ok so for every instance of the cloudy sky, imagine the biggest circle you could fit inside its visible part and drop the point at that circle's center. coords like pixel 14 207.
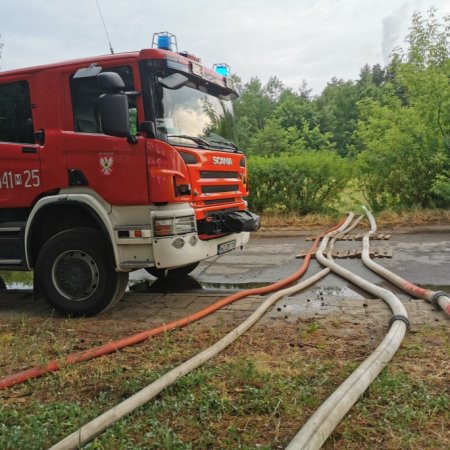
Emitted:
pixel 295 40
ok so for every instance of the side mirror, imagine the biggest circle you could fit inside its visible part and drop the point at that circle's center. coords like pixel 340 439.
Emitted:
pixel 174 81
pixel 114 114
pixel 149 129
pixel 110 82
pixel 113 105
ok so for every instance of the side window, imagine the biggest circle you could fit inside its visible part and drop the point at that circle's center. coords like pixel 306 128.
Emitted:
pixel 85 94
pixel 16 123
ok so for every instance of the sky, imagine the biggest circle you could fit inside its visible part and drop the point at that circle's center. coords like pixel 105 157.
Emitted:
pixel 295 40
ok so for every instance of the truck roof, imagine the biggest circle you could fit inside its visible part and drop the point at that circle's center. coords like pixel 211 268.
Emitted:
pixel 81 61
pixel 150 53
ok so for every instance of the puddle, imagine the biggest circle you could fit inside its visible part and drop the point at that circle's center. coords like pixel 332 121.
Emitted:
pixel 232 286
pixel 24 281
pixel 161 286
pixel 187 284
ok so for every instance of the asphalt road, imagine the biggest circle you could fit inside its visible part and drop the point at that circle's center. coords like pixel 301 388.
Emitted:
pixel 421 258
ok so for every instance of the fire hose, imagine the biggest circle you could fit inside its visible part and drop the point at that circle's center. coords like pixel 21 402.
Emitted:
pixel 321 424
pixel 111 347
pixel 88 431
pixel 439 299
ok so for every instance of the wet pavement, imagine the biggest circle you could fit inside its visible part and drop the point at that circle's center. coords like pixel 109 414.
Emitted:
pixel 421 258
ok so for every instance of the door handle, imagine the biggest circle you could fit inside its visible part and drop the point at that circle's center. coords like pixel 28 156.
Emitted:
pixel 29 150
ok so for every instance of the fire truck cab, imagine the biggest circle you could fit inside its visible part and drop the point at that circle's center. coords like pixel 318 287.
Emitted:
pixel 116 163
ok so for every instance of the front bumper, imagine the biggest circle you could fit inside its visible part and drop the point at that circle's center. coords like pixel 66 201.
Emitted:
pixel 141 246
pixel 167 252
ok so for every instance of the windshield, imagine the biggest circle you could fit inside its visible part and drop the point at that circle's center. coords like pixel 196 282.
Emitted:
pixel 193 117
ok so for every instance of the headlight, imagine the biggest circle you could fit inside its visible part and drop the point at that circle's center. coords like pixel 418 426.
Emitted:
pixel 173 226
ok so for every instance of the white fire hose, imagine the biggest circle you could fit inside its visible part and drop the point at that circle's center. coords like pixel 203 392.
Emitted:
pixel 321 424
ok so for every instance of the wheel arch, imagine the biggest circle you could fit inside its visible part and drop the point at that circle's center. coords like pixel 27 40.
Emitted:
pixel 53 215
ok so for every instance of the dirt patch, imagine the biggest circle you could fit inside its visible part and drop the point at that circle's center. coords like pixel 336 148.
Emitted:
pixel 408 219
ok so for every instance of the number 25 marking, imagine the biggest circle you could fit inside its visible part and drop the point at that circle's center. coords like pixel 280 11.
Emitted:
pixel 32 178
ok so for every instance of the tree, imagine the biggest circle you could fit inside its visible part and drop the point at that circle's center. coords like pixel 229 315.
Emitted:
pixel 338 112
pixel 378 75
pixel 425 68
pixel 428 41
pixel 274 89
pixel 401 157
pixel 424 74
pixel 271 140
pixel 254 103
pixel 405 133
pixel 370 80
pixel 253 108
pixel 298 113
pixel 365 75
pixel 294 110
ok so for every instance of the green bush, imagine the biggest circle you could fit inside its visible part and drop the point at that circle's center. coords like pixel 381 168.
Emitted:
pixel 403 160
pixel 441 189
pixel 302 183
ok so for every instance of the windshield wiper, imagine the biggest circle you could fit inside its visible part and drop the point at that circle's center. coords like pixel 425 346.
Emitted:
pixel 199 141
pixel 226 144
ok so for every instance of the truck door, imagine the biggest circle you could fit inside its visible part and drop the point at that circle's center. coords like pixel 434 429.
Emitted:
pixel 111 166
pixel 20 170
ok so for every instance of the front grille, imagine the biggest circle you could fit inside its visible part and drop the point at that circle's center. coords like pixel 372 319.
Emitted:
pixel 219 201
pixel 217 174
pixel 218 189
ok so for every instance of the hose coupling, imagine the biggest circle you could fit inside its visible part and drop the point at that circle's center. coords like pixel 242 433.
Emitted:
pixel 435 298
pixel 402 318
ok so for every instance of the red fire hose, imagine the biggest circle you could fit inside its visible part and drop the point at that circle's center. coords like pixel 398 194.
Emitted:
pixel 110 347
pixel 439 299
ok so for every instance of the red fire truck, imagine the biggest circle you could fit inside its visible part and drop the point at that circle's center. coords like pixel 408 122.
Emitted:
pixel 117 163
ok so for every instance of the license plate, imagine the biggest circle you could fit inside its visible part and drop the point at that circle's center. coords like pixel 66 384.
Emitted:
pixel 226 247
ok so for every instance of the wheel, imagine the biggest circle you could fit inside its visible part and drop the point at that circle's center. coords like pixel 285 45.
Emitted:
pixel 75 273
pixel 172 274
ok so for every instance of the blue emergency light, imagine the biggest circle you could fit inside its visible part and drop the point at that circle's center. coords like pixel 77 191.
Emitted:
pixel 164 41
pixel 222 69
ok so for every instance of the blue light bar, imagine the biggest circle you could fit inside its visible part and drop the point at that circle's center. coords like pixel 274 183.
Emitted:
pixel 222 69
pixel 164 42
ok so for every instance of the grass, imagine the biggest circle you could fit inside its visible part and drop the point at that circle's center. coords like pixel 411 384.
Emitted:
pixel 256 394
pixel 404 404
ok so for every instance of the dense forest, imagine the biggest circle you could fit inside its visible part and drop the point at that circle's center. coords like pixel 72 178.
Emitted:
pixel 385 136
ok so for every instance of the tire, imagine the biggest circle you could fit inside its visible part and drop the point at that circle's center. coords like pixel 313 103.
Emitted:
pixel 172 274
pixel 75 273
